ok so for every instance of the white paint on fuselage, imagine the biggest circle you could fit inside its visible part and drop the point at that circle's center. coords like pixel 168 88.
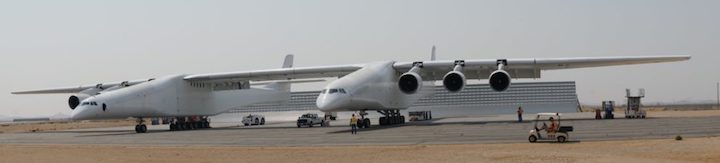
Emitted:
pixel 374 87
pixel 172 96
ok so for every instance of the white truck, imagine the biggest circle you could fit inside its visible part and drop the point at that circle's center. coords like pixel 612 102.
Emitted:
pixel 253 119
pixel 310 119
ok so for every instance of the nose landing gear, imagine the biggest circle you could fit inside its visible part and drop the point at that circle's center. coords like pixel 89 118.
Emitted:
pixel 140 127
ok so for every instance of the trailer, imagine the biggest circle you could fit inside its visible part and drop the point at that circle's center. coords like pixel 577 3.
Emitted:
pixel 420 115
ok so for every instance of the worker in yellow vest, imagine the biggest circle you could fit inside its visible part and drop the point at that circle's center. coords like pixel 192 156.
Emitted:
pixel 353 124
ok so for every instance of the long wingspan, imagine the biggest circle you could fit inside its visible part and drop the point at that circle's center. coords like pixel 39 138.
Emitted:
pixel 65 90
pixel 531 67
pixel 475 69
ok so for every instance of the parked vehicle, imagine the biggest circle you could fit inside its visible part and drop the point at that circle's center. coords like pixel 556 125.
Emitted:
pixel 253 119
pixel 420 115
pixel 310 119
pixel 558 133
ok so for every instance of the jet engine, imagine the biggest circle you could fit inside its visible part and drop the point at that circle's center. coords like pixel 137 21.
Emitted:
pixel 410 82
pixel 75 100
pixel 500 80
pixel 454 81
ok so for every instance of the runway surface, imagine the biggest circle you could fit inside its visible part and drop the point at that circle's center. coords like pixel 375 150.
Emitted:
pixel 465 130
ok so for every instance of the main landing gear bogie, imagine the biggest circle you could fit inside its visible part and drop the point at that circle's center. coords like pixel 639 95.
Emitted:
pixel 391 117
pixel 189 123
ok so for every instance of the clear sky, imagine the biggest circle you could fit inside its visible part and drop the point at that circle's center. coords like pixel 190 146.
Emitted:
pixel 67 43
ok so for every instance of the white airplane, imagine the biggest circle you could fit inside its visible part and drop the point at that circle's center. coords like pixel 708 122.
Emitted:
pixel 386 87
pixel 171 96
pixel 390 86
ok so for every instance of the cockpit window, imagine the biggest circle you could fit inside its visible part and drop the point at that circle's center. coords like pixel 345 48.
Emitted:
pixel 332 91
pixel 93 103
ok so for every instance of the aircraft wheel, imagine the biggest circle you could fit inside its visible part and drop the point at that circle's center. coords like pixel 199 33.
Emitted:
pixel 262 121
pixel 140 129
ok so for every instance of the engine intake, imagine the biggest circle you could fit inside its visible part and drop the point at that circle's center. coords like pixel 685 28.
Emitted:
pixel 75 100
pixel 410 82
pixel 454 81
pixel 500 80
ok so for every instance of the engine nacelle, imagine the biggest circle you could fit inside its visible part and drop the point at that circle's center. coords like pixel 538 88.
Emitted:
pixel 454 81
pixel 500 80
pixel 75 100
pixel 410 82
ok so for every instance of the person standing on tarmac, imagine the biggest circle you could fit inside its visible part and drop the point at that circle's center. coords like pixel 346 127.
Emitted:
pixel 353 124
pixel 520 112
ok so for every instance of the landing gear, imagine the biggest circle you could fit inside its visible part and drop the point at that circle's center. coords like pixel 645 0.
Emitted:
pixel 363 122
pixel 391 117
pixel 140 127
pixel 189 123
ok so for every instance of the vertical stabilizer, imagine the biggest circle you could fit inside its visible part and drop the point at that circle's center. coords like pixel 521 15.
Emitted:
pixel 283 86
pixel 432 54
pixel 288 63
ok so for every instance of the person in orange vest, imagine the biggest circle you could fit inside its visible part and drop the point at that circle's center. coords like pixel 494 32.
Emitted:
pixel 353 124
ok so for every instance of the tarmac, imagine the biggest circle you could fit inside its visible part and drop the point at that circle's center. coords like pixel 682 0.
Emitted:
pixel 456 130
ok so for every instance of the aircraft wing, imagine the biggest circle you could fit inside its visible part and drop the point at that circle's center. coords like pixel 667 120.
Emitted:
pixel 432 70
pixel 276 74
pixel 529 67
pixel 66 90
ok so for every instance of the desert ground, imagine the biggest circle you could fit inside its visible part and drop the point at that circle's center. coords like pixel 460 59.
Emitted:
pixel 695 149
pixel 660 150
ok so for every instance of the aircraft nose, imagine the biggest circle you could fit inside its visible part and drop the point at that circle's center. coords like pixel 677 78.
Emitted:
pixel 81 113
pixel 331 102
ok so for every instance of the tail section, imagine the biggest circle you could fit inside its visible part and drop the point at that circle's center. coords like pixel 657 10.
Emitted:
pixel 288 63
pixel 284 86
pixel 432 54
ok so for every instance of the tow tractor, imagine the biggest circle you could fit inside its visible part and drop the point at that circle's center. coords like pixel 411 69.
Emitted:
pixel 559 133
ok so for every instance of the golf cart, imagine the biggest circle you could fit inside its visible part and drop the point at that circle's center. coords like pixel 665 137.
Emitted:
pixel 543 122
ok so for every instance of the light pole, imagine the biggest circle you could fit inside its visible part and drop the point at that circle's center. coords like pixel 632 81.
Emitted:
pixel 718 94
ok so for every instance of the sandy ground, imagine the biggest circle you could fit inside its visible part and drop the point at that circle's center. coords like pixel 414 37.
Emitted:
pixel 705 149
pixel 689 150
pixel 66 125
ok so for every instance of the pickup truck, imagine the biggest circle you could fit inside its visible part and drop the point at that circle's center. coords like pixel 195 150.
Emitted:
pixel 253 119
pixel 309 120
